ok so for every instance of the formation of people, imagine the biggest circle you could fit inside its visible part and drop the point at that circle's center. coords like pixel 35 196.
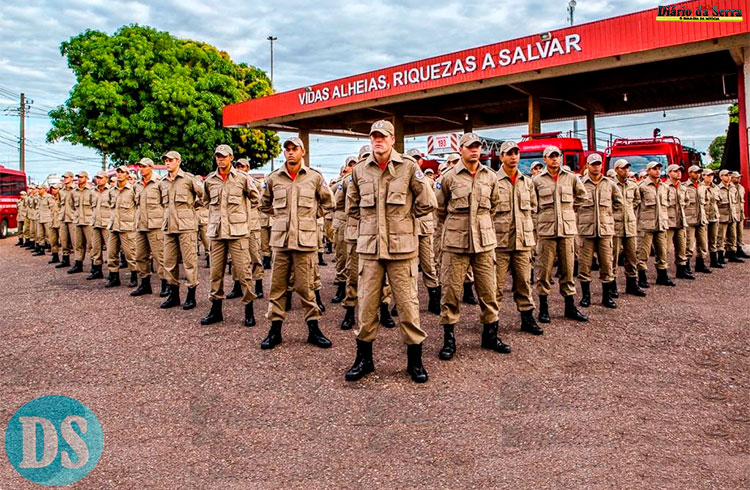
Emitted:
pixel 386 219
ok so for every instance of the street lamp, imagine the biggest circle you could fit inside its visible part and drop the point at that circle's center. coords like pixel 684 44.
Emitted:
pixel 571 8
pixel 272 39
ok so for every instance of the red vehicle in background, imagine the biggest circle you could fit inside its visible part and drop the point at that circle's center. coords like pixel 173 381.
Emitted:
pixel 159 169
pixel 666 150
pixel 12 182
pixel 532 146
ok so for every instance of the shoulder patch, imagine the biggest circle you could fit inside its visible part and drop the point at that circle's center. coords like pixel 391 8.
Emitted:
pixel 419 174
pixel 265 184
pixel 341 185
pixel 438 185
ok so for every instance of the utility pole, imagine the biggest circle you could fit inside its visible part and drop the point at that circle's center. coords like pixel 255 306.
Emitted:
pixel 272 39
pixel 571 9
pixel 104 161
pixel 22 145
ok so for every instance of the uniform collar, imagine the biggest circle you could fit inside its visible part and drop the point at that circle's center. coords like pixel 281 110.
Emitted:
pixel 503 175
pixel 302 169
pixel 559 172
pixel 589 179
pixel 460 167
pixel 395 159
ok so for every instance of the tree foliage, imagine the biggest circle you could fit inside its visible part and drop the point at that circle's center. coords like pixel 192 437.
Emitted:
pixel 141 92
pixel 716 148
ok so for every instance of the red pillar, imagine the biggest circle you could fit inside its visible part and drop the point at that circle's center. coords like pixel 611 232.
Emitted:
pixel 591 131
pixel 742 73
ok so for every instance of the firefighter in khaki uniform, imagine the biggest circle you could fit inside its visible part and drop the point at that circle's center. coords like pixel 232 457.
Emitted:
pixel 67 214
pixel 625 240
pixel 21 217
pixel 695 215
pixel 728 216
pixel 712 215
pixel 41 231
pixel 31 217
pixel 179 191
pixel 54 236
pixel 676 233
pixel 26 231
pixel 99 223
pixel 467 198
pixel 83 199
pixel 202 212
pixel 121 227
pixel 294 196
pixel 265 235
pixel 739 240
pixel 387 193
pixel 149 238
pixel 653 223
pixel 46 208
pixel 514 229
pixel 339 230
pixel 228 193
pixel 559 194
pixel 596 227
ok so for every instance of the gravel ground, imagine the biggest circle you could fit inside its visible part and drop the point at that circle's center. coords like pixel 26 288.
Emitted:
pixel 652 395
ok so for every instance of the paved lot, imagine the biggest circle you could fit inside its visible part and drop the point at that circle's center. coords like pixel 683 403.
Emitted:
pixel 654 395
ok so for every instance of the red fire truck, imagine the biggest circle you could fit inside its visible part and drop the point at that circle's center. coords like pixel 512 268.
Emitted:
pixel 532 146
pixel 666 150
pixel 12 182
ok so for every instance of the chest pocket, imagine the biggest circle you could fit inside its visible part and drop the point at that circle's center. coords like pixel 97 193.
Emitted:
pixel 546 196
pixel 484 196
pixel 566 194
pixel 460 198
pixel 524 200
pixel 306 198
pixel 396 193
pixel 366 194
pixel 506 200
pixel 279 197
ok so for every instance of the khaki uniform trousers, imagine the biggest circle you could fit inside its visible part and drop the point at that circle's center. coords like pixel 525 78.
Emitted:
pixel 120 240
pixel 712 230
pixel 67 235
pixel 352 279
pixel 219 251
pixel 562 248
pixel 176 244
pixel 302 266
pixel 697 242
pixel 26 230
pixel 39 234
pixel 98 240
pixel 628 246
pixel 726 236
pixel 53 237
pixel 339 247
pixel 602 246
pixel 677 237
pixel 519 264
pixel 738 235
pixel 31 224
pixel 255 264
pixel 149 245
pixel 203 237
pixel 403 275
pixel 427 262
pixel 452 273
pixel 265 241
pixel 82 241
pixel 328 227
pixel 659 241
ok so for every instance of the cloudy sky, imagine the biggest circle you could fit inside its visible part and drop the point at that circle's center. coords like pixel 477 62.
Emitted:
pixel 317 41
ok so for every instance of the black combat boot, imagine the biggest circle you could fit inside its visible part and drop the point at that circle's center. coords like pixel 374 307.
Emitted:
pixel 133 279
pixel 363 363
pixel 144 288
pixel 434 304
pixel 39 250
pixel 267 262
pixel 236 291
pixel 340 293
pixel 30 244
pixel 700 266
pixel 315 336
pixel 394 311
pixel 449 343
pixel 543 309
pixel 642 279
pixel 740 252
pixel 249 315
pixel 469 298
pixel 385 316
pixel 259 288
pixel 208 261
pixel 274 336
pixel 714 258
pixel 215 314
pixel 96 273
pixel 189 303
pixel 55 258
pixel 288 305
pixel 123 261
pixel 662 278
pixel 348 321
pixel 528 324
pixel 720 259
pixel 19 243
pixel 632 287
pixel 607 300
pixel 229 269
pixel 491 341
pixel 320 259
pixel 65 262
pixel 572 312
pixel 585 295
pixel 732 257
pixel 173 299
pixel 613 291
pixel 531 279
pixel 329 247
pixel 684 273
pixel 319 301
pixel 164 289
pixel 113 280
pixel 77 267
pixel 414 365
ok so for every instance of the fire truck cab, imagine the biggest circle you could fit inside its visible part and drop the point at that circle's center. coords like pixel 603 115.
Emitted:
pixel 532 146
pixel 666 150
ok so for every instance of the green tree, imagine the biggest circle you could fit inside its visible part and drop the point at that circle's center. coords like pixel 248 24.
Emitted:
pixel 715 150
pixel 141 92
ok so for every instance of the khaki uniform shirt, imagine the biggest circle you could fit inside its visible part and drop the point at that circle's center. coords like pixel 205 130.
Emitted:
pixel 21 205
pixel 514 220
pixel 339 193
pixel 596 215
pixel 254 213
pixel 102 210
pixel 352 224
pixel 150 210
pixel 47 207
pixel 228 204
pixel 652 213
pixel 712 202
pixel 67 205
pixel 727 200
pixel 676 201
pixel 740 200
pixel 123 207
pixel 695 203
pixel 426 223
pixel 83 200
pixel 387 203
pixel 31 209
pixel 178 198
pixel 557 203
pixel 626 224
pixel 295 206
